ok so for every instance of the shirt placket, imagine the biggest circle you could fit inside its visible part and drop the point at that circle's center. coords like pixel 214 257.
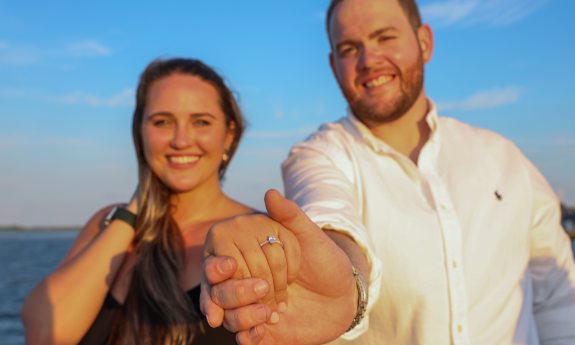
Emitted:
pixel 452 244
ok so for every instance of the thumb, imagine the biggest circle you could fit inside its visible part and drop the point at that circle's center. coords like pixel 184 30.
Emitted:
pixel 289 214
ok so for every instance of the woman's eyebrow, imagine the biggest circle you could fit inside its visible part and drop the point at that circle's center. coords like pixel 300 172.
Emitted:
pixel 161 113
pixel 202 114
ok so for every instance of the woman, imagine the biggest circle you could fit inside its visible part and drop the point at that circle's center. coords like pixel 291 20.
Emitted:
pixel 120 284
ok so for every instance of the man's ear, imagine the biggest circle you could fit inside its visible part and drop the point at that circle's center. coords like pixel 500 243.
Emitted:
pixel 425 37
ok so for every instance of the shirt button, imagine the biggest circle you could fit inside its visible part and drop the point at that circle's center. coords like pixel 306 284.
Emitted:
pixel 454 264
pixel 459 328
pixel 408 170
pixel 443 207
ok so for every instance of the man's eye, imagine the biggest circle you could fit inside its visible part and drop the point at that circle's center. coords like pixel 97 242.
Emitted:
pixel 346 51
pixel 386 38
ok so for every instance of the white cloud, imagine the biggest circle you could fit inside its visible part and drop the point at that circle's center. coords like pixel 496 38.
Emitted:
pixel 484 100
pixel 21 54
pixel 472 12
pixel 305 130
pixel 122 99
pixel 87 49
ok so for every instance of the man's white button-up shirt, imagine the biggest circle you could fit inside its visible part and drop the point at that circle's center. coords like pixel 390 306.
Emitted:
pixel 464 248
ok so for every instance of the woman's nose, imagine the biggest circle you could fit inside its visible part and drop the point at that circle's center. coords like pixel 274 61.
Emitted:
pixel 182 137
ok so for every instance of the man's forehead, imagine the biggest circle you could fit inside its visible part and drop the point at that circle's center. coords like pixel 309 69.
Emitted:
pixel 364 16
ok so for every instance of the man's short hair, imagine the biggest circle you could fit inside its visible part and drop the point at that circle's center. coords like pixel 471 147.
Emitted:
pixel 409 7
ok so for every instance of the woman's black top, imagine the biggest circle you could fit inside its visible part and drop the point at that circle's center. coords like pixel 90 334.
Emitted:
pixel 100 331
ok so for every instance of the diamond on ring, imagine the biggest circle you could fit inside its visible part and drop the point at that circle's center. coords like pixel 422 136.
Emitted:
pixel 272 240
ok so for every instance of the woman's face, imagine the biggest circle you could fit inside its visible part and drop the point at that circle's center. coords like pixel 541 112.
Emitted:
pixel 184 132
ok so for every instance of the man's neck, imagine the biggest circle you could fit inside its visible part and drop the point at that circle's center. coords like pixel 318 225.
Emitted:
pixel 409 133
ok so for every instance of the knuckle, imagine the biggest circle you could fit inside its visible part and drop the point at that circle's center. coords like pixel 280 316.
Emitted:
pixel 278 265
pixel 216 296
pixel 240 294
pixel 259 271
pixel 241 273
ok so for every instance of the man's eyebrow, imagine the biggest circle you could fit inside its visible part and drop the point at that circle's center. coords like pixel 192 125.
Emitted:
pixel 381 31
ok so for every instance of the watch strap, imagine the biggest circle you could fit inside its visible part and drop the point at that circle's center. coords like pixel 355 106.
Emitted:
pixel 122 214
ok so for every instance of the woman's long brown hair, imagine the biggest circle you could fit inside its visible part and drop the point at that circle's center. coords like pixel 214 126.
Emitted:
pixel 157 310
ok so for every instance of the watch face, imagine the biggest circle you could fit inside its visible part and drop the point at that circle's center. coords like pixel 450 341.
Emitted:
pixel 110 215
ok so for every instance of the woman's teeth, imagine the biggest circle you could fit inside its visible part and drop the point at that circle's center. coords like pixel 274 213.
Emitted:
pixel 379 81
pixel 183 159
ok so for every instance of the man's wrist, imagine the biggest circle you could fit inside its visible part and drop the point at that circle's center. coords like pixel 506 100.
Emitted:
pixel 362 300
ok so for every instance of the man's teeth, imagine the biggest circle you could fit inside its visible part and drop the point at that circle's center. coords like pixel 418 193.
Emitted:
pixel 379 81
pixel 183 159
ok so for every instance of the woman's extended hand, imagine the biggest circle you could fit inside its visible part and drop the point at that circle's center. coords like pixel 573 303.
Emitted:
pixel 240 238
pixel 322 299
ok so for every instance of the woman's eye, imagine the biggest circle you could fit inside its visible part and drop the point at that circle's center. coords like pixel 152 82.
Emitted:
pixel 162 123
pixel 201 122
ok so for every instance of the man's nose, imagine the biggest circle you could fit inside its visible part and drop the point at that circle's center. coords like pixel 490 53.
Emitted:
pixel 370 58
pixel 183 137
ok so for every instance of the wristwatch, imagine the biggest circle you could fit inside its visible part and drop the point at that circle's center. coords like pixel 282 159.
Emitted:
pixel 122 214
pixel 361 300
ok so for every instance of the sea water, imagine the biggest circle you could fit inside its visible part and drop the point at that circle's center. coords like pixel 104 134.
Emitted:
pixel 25 258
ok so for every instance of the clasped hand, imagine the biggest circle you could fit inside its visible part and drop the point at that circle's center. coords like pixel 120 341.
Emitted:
pixel 245 286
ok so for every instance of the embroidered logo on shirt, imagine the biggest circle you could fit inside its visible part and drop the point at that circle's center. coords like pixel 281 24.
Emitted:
pixel 498 196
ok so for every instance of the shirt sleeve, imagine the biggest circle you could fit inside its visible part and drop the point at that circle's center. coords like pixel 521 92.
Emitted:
pixel 322 184
pixel 551 266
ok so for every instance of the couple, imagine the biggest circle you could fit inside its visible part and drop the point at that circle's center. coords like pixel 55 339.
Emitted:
pixel 455 234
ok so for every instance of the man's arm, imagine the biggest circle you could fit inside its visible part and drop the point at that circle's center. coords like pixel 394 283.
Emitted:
pixel 551 266
pixel 356 256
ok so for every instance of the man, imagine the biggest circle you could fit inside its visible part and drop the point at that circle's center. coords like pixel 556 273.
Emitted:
pixel 462 234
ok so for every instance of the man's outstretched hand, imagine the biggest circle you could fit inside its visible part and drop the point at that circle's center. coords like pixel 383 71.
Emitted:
pixel 322 291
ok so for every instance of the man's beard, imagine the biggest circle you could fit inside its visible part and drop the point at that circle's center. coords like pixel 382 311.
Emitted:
pixel 411 86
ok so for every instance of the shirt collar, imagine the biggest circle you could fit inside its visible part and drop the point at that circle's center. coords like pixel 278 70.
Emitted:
pixel 379 145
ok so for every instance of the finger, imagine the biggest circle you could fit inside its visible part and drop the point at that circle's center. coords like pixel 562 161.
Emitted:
pixel 252 253
pixel 277 263
pixel 218 244
pixel 251 337
pixel 235 293
pixel 289 215
pixel 214 313
pixel 284 276
pixel 219 268
pixel 292 253
pixel 244 318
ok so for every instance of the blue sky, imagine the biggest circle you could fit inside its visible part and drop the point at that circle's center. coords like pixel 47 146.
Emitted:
pixel 68 70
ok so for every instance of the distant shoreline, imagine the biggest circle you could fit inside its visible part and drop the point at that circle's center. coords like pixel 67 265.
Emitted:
pixel 39 228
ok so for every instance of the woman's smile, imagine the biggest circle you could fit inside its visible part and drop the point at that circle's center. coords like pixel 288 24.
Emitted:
pixel 183 161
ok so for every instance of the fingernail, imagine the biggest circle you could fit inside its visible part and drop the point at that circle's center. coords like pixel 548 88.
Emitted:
pixel 261 288
pixel 260 314
pixel 282 306
pixel 254 332
pixel 275 317
pixel 208 319
pixel 226 266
